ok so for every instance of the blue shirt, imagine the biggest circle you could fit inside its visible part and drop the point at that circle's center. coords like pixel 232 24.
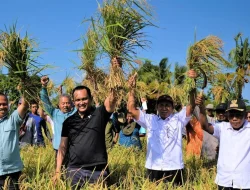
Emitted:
pixel 57 116
pixel 131 140
pixel 40 123
pixel 10 160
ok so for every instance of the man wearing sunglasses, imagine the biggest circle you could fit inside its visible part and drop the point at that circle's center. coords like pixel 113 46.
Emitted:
pixel 221 114
pixel 233 167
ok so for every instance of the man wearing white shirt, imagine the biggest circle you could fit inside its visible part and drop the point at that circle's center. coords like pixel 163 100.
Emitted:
pixel 233 167
pixel 164 140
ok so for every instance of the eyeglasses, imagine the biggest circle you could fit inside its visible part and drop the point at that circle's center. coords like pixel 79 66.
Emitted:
pixel 237 115
pixel 248 117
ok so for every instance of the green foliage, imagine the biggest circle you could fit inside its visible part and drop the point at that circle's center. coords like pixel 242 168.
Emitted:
pixel 240 57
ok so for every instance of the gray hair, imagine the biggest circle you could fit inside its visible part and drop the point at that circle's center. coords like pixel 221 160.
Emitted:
pixel 65 96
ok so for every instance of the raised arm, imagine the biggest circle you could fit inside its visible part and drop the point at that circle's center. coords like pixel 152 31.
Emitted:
pixel 192 95
pixel 45 97
pixel 131 104
pixel 110 101
pixel 23 108
pixel 202 116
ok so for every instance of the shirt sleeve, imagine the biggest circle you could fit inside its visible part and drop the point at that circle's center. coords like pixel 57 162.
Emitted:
pixel 145 120
pixel 65 129
pixel 46 102
pixel 104 113
pixel 182 117
pixel 16 120
pixel 217 130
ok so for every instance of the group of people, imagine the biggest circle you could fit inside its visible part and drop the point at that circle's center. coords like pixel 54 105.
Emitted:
pixel 83 132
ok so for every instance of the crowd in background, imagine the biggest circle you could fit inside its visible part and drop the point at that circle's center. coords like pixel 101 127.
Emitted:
pixel 82 135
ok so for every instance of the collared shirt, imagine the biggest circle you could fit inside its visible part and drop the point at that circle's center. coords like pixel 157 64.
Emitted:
pixel 57 116
pixel 164 146
pixel 30 136
pixel 233 168
pixel 86 138
pixel 10 161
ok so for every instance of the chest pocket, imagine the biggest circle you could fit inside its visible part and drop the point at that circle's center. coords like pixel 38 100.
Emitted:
pixel 9 128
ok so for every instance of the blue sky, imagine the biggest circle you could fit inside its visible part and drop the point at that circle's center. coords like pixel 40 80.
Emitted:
pixel 57 24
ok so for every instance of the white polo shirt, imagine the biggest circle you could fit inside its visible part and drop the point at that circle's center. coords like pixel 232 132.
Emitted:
pixel 164 140
pixel 233 168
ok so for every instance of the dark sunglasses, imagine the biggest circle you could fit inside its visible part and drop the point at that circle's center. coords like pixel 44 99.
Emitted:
pixel 220 111
pixel 248 117
pixel 237 115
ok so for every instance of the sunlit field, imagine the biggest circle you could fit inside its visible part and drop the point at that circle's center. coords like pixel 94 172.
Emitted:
pixel 126 171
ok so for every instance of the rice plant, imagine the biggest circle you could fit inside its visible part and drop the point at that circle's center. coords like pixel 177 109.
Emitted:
pixel 18 54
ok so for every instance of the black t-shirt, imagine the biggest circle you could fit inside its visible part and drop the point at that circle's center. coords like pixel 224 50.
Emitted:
pixel 86 138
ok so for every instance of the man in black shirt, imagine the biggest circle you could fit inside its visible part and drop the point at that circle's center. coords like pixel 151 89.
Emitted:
pixel 83 137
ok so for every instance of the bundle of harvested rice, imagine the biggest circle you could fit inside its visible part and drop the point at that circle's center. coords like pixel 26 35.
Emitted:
pixel 206 57
pixel 18 55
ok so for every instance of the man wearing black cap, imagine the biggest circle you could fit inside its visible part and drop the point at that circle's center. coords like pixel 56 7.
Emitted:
pixel 164 136
pixel 221 112
pixel 233 167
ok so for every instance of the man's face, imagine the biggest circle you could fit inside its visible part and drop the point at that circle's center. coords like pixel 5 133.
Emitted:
pixel 65 104
pixel 210 112
pixel 221 115
pixel 129 118
pixel 82 101
pixel 248 117
pixel 3 106
pixel 165 109
pixel 236 118
pixel 34 108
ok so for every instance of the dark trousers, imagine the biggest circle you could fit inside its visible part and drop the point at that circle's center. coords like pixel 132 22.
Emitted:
pixel 229 188
pixel 80 176
pixel 11 180
pixel 175 176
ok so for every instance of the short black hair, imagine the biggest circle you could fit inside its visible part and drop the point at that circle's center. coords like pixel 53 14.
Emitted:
pixel 81 88
pixel 2 94
pixel 33 102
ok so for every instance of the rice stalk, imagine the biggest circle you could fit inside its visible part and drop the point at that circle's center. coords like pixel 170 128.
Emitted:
pixel 69 84
pixel 206 55
pixel 120 26
pixel 18 56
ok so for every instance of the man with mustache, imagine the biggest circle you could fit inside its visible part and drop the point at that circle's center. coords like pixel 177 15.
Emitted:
pixel 83 137
pixel 233 167
pixel 10 161
pixel 58 115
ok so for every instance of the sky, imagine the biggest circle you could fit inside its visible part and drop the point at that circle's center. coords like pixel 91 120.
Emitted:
pixel 57 25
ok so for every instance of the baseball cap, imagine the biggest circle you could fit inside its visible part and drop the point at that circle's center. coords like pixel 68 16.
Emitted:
pixel 210 107
pixel 221 106
pixel 121 118
pixel 238 104
pixel 165 98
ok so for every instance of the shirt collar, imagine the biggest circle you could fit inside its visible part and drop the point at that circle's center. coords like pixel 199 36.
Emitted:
pixel 167 119
pixel 4 117
pixel 245 125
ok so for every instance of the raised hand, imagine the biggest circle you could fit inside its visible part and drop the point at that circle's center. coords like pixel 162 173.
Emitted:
pixel 192 74
pixel 132 81
pixel 199 101
pixel 44 81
